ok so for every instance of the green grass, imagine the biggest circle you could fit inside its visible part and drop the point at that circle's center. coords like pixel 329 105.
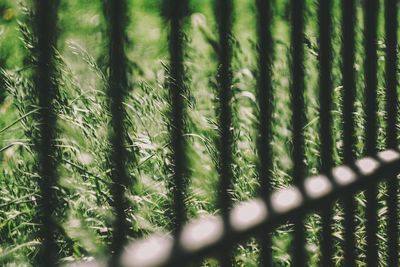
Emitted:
pixel 84 213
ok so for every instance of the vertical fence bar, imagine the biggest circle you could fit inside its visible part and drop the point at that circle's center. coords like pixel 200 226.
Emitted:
pixel 391 26
pixel 46 88
pixel 224 15
pixel 264 97
pixel 175 13
pixel 116 17
pixel 370 65
pixel 325 102
pixel 298 120
pixel 349 93
pixel 325 84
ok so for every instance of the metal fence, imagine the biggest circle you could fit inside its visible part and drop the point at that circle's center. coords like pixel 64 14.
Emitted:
pixel 216 236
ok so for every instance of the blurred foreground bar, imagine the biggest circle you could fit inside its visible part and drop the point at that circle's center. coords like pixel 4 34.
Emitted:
pixel 205 237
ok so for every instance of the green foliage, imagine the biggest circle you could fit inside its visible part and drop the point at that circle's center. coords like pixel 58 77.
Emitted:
pixel 85 215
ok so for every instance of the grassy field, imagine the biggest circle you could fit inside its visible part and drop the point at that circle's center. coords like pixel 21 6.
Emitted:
pixel 84 212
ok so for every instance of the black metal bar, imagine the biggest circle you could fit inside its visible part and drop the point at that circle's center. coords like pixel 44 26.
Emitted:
pixel 264 97
pixel 327 237
pixel 325 132
pixel 370 68
pixel 370 65
pixel 349 93
pixel 46 89
pixel 325 89
pixel 297 89
pixel 348 80
pixel 325 84
pixel 298 121
pixel 116 17
pixel 224 16
pixel 208 237
pixel 391 26
pixel 175 12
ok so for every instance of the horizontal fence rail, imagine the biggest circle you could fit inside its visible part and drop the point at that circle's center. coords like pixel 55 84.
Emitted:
pixel 206 236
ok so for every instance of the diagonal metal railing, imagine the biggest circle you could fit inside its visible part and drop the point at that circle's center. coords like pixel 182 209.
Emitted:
pixel 207 236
